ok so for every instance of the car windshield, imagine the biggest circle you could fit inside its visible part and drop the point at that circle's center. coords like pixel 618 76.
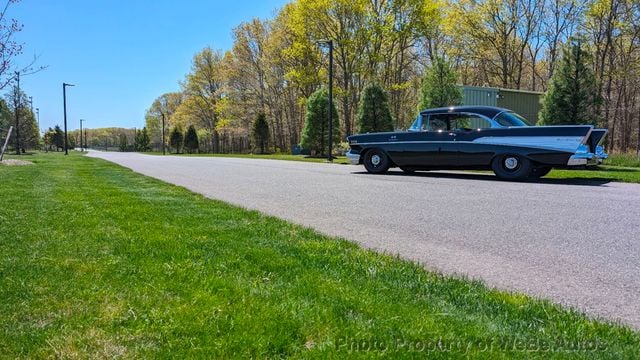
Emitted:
pixel 416 124
pixel 509 118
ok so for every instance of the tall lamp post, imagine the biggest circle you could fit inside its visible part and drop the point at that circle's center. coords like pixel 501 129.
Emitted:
pixel 330 44
pixel 81 143
pixel 64 101
pixel 163 142
pixel 38 118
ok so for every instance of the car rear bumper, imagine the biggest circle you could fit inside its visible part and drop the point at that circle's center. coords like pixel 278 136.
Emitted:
pixel 354 158
pixel 582 158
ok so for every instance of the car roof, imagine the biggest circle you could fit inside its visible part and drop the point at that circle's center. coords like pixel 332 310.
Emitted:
pixel 488 111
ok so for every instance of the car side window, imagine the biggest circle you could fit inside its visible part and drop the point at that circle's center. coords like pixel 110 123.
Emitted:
pixel 434 123
pixel 469 122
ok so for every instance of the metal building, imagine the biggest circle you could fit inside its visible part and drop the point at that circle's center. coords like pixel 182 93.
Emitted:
pixel 525 103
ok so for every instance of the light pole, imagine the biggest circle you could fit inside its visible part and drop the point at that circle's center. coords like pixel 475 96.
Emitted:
pixel 163 142
pixel 38 118
pixel 17 100
pixel 330 44
pixel 64 101
pixel 81 146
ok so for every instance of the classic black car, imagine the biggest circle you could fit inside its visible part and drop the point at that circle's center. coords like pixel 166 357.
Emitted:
pixel 478 137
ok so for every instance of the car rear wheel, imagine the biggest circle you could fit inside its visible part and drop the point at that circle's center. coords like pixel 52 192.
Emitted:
pixel 511 167
pixel 539 172
pixel 376 161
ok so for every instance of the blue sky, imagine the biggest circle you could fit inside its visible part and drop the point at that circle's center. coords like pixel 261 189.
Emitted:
pixel 120 54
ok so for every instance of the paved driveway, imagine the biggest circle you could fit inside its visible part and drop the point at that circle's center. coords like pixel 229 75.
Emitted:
pixel 575 243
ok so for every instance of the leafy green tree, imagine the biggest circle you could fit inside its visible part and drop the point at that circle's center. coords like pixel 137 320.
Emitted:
pixel 439 86
pixel 191 142
pixel 142 140
pixel 573 95
pixel 176 139
pixel 124 143
pixel 373 113
pixel 260 134
pixel 315 134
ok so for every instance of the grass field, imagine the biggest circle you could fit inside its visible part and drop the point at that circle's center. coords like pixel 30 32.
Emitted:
pixel 288 157
pixel 624 160
pixel 97 261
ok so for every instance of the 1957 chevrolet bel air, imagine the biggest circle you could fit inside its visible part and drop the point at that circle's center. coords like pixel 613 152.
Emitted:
pixel 478 137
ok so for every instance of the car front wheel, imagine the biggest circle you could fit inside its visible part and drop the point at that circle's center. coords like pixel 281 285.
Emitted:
pixel 511 167
pixel 376 161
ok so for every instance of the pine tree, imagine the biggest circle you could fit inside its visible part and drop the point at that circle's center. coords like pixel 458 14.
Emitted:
pixel 260 134
pixel 439 86
pixel 573 95
pixel 373 113
pixel 315 134
pixel 191 142
pixel 142 140
pixel 176 139
pixel 124 143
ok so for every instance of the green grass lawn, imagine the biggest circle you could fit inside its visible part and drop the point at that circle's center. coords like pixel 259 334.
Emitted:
pixel 97 261
pixel 599 174
pixel 338 160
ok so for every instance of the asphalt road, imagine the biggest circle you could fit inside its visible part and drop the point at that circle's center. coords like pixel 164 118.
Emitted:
pixel 575 243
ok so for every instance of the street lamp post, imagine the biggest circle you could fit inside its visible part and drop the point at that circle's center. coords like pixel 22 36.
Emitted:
pixel 330 44
pixel 81 143
pixel 163 142
pixel 64 101
pixel 17 101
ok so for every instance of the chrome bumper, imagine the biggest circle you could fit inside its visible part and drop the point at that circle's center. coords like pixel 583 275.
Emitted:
pixel 353 158
pixel 582 158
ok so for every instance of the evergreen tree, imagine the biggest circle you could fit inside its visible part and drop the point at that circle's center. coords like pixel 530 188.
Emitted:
pixel 439 86
pixel 191 142
pixel 373 113
pixel 260 134
pixel 176 139
pixel 315 134
pixel 573 95
pixel 58 138
pixel 142 140
pixel 124 143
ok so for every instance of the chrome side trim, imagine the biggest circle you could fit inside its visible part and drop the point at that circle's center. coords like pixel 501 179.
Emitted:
pixel 353 158
pixel 562 143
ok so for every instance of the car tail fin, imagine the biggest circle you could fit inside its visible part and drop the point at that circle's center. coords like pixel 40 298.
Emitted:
pixel 596 137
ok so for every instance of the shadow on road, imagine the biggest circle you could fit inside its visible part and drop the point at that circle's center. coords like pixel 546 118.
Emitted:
pixel 490 177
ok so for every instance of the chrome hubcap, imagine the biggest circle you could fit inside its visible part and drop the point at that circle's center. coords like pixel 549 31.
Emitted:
pixel 375 160
pixel 511 163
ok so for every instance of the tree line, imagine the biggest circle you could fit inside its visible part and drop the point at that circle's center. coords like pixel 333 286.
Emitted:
pixel 276 64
